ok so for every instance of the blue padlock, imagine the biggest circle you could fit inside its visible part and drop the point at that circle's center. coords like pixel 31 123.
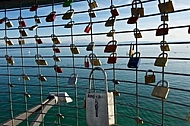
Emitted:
pixel 134 61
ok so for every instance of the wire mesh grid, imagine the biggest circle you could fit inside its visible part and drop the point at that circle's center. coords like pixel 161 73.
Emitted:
pixel 48 51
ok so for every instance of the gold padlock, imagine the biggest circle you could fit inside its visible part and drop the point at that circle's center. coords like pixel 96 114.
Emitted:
pixel 94 60
pixel 161 60
pixel 10 59
pixel 131 50
pixel 40 60
pixel 149 78
pixel 9 23
pixel 93 4
pixel 136 11
pixel 111 33
pixel 161 90
pixel 166 6
pixel 74 49
pixel 137 33
pixel 21 41
pixel 55 39
pixel 164 46
pixel 8 41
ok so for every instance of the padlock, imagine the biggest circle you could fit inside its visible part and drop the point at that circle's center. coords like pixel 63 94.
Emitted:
pixel 116 93
pixel 38 39
pixel 162 31
pixel 33 27
pixel 165 6
pixel 91 13
pixel 69 24
pixel 10 59
pixel 51 17
pixel 133 19
pixel 34 7
pixel 8 42
pixel 88 28
pixel 134 61
pixel 161 60
pixel 56 49
pixel 164 46
pixel 25 77
pixel 99 104
pixel 84 103
pixel 86 62
pixel 22 31
pixel 112 58
pixel 149 78
pixel 21 41
pixel 21 22
pixel 90 46
pixel 27 95
pixel 110 22
pixel 137 33
pixel 111 46
pixel 188 117
pixel 55 39
pixel 2 20
pixel 189 30
pixel 93 4
pixel 74 49
pixel 114 11
pixel 68 15
pixel 67 3
pixel 111 33
pixel 40 60
pixel 58 69
pixel 135 10
pixel 56 58
pixel 8 23
pixel 94 60
pixel 41 77
pixel 73 79
pixel 139 120
pixel 161 90
pixel 131 50
pixel 37 19
pixel 164 17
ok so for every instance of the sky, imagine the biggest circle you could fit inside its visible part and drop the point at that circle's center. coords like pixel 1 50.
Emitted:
pixel 175 19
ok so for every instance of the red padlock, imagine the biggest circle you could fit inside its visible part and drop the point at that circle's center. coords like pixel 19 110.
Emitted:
pixel 88 28
pixel 51 17
pixel 38 39
pixel 86 62
pixel 114 11
pixel 162 31
pixel 56 49
pixel 34 8
pixel 58 69
pixel 133 20
pixel 111 46
pixel 2 20
pixel 189 30
pixel 21 22
pixel 112 58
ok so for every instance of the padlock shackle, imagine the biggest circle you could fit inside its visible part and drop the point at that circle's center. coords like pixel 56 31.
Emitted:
pixel 74 75
pixel 113 54
pixel 112 7
pixel 37 56
pixel 136 53
pixel 114 42
pixel 86 58
pixel 136 30
pixel 149 70
pixel 163 42
pixel 134 2
pixel 162 54
pixel 132 46
pixel 164 82
pixel 165 2
pixel 92 56
pixel 163 25
pixel 72 46
pixel 105 78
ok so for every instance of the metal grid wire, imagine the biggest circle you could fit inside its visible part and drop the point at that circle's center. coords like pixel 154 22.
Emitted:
pixel 30 69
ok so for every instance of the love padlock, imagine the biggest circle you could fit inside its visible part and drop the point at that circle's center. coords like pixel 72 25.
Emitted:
pixel 58 69
pixel 86 62
pixel 74 49
pixel 55 39
pixel 161 90
pixel 111 33
pixel 94 60
pixel 21 41
pixel 135 10
pixel 92 4
pixel 41 77
pixel 165 6
pixel 8 42
pixel 8 23
pixel 73 79
pixel 40 60
pixel 34 7
pixel 38 39
pixel 110 22
pixel 69 24
pixel 91 13
pixel 37 19
pixel 33 27
pixel 131 50
pixel 22 31
pixel 161 60
pixel 112 58
pixel 111 46
pixel 56 49
pixel 164 46
pixel 90 46
pixel 88 28
pixel 149 78
pixel 162 31
pixel 133 19
pixel 2 20
pixel 68 15
pixel 51 17
pixel 134 61
pixel 67 3
pixel 10 59
pixel 21 22
pixel 56 58
pixel 137 33
pixel 114 11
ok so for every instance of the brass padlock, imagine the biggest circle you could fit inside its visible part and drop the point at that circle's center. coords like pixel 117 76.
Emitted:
pixel 161 60
pixel 137 33
pixel 68 15
pixel 8 41
pixel 111 33
pixel 21 41
pixel 94 60
pixel 74 49
pixel 131 50
pixel 90 46
pixel 91 13
pixel 161 90
pixel 10 59
pixel 165 6
pixel 188 117
pixel 41 77
pixel 40 60
pixel 149 78
pixel 8 23
pixel 93 4
pixel 55 39
pixel 164 46
pixel 135 10
pixel 56 58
